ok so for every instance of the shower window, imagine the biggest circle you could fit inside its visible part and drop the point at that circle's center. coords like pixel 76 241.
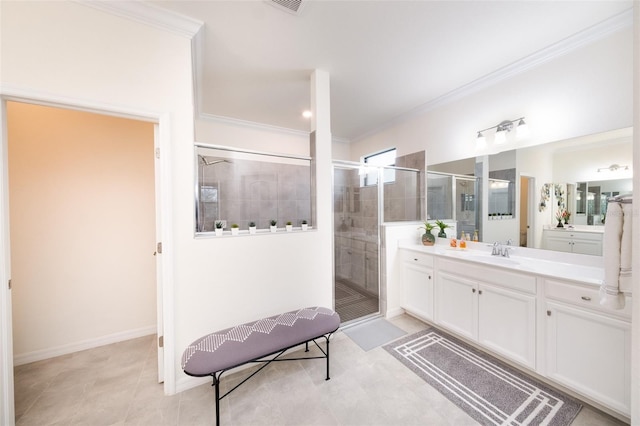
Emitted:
pixel 237 187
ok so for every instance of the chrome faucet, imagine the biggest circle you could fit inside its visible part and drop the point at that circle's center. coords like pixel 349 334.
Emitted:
pixel 500 250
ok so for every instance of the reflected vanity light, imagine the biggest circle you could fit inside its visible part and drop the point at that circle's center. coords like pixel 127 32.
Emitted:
pixel 613 168
pixel 506 126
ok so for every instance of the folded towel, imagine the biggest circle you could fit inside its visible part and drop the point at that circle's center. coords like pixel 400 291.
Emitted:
pixel 610 295
pixel 625 283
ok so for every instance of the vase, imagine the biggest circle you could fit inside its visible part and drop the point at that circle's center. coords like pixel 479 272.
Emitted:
pixel 428 239
pixel 304 226
pixel 273 228
pixel 442 234
pixel 566 221
pixel 235 231
pixel 560 224
pixel 219 232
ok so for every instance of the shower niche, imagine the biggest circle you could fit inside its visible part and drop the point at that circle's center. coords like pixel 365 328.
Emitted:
pixel 244 188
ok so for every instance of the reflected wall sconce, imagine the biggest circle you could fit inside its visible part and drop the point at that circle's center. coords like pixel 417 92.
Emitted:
pixel 506 126
pixel 613 168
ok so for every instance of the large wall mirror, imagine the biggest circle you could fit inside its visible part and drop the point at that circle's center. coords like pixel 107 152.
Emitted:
pixel 526 188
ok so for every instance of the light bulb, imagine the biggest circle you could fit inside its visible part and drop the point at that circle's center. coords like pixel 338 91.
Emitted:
pixel 501 137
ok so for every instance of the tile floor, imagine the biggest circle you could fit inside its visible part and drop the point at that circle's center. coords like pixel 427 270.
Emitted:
pixel 116 385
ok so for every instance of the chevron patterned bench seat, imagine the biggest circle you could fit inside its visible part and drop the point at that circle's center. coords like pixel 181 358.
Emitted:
pixel 218 352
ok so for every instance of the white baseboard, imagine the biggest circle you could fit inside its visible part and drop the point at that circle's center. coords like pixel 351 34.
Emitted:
pixel 39 355
pixel 394 313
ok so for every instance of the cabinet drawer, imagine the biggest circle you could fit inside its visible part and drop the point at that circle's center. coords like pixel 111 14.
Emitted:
pixel 419 258
pixel 588 297
pixel 487 274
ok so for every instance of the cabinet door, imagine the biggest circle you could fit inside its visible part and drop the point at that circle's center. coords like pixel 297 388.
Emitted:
pixel 418 290
pixel 457 305
pixel 590 353
pixel 558 243
pixel 587 247
pixel 506 323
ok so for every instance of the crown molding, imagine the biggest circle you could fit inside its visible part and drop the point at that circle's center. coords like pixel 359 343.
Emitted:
pixel 251 124
pixel 583 38
pixel 148 14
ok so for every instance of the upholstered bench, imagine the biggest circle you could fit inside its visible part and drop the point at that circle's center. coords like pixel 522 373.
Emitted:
pixel 216 353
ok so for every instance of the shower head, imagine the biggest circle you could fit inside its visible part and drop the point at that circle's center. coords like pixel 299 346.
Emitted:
pixel 209 163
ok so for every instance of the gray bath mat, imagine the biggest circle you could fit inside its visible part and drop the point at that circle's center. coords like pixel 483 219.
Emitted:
pixel 485 388
pixel 374 333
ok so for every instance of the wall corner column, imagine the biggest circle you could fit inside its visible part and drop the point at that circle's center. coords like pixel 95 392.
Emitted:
pixel 322 175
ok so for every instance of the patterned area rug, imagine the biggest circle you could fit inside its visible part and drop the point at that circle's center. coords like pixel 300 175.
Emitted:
pixel 352 304
pixel 485 388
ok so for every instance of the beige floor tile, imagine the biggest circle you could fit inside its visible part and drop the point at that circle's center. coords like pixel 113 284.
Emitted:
pixel 117 385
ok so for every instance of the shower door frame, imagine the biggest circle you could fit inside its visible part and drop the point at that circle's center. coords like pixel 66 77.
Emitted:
pixel 365 169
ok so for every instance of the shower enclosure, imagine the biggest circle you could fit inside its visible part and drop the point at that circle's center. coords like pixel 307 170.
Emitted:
pixel 454 197
pixel 363 199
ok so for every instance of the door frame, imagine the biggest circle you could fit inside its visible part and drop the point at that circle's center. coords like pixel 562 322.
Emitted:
pixel 164 269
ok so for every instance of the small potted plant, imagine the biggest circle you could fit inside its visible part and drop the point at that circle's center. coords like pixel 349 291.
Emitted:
pixel 566 215
pixel 273 227
pixel 235 229
pixel 427 238
pixel 440 224
pixel 289 226
pixel 252 227
pixel 559 219
pixel 304 225
pixel 219 228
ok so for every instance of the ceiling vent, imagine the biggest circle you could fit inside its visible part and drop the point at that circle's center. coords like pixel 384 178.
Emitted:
pixel 291 6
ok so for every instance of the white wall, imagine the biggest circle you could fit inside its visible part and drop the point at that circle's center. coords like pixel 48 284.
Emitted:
pixel 76 53
pixel 82 229
pixel 586 91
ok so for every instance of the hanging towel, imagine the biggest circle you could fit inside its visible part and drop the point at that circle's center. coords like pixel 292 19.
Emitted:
pixel 625 283
pixel 610 295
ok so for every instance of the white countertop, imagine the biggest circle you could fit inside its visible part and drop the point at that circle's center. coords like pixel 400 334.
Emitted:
pixel 576 267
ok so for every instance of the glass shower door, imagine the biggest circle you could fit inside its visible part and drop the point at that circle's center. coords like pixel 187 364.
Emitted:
pixel 356 243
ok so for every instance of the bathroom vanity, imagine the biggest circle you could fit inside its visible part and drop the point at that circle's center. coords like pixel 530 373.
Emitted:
pixel 586 240
pixel 537 309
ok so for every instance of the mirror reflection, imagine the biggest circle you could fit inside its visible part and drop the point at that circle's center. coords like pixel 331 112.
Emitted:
pixel 530 191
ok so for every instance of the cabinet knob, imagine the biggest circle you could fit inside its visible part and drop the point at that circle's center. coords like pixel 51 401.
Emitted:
pixel 548 313
pixel 415 259
pixel 473 290
pixel 429 276
pixel 586 298
pixel 479 291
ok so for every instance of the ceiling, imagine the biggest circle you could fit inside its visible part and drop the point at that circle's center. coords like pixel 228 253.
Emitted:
pixel 385 58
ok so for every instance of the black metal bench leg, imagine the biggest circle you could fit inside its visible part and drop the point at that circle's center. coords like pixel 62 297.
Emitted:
pixel 216 385
pixel 306 346
pixel 327 359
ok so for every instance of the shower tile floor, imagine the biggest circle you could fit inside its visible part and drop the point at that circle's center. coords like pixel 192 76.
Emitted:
pixel 117 385
pixel 353 303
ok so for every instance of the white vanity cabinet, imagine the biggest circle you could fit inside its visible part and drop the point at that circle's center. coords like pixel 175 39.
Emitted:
pixel 588 346
pixel 494 307
pixel 417 270
pixel 572 241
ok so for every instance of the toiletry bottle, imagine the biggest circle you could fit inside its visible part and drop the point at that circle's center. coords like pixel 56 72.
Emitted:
pixel 463 242
pixel 475 235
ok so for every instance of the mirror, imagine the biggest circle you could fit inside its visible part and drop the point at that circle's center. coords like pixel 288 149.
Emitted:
pixel 578 174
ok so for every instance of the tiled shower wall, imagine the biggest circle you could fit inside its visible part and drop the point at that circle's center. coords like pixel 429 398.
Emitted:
pixel 255 191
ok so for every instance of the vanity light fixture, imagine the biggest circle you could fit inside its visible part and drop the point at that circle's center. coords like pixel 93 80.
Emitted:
pixel 613 168
pixel 506 126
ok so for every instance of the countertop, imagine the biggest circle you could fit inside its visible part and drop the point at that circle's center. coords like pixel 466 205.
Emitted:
pixel 567 266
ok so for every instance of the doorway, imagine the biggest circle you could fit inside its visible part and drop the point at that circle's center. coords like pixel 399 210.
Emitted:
pixel 527 203
pixel 83 230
